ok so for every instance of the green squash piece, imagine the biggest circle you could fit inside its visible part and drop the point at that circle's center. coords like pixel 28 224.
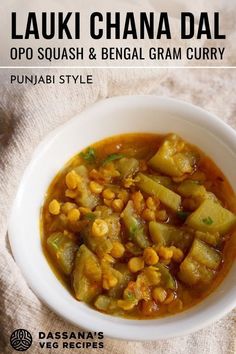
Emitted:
pixel 134 226
pixel 105 303
pixel 113 222
pixel 211 217
pixel 210 239
pixel 167 280
pixel 200 264
pixel 103 245
pixel 192 273
pixel 163 180
pixel 190 188
pixel 127 166
pixel 124 276
pixel 204 254
pixel 87 275
pixel 168 235
pixel 134 249
pixel 170 158
pixel 63 249
pixel 86 198
pixel 160 233
pixel 166 196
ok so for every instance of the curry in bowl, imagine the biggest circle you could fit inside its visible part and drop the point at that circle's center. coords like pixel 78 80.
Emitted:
pixel 139 225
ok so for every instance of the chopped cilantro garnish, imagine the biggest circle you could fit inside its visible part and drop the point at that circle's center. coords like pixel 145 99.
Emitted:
pixel 208 221
pixel 55 242
pixel 113 157
pixel 133 229
pixel 55 245
pixel 90 216
pixel 89 155
pixel 130 296
pixel 182 215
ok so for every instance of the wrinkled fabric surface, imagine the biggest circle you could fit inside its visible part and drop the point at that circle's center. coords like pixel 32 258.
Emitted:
pixel 28 113
pixel 26 116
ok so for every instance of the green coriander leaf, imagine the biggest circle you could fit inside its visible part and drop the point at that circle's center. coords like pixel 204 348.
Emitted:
pixel 90 216
pixel 133 229
pixel 130 296
pixel 89 155
pixel 182 215
pixel 113 157
pixel 56 242
pixel 55 245
pixel 208 221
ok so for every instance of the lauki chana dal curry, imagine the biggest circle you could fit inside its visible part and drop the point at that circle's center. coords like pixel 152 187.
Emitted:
pixel 139 225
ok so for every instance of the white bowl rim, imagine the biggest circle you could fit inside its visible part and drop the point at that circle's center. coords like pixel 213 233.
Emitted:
pixel 220 126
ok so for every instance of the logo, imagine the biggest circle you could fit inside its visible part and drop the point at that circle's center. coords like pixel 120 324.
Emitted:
pixel 21 340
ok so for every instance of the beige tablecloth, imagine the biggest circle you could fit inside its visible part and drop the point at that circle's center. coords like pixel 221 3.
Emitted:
pixel 27 115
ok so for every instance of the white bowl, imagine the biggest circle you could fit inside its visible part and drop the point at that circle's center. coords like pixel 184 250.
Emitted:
pixel 106 118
